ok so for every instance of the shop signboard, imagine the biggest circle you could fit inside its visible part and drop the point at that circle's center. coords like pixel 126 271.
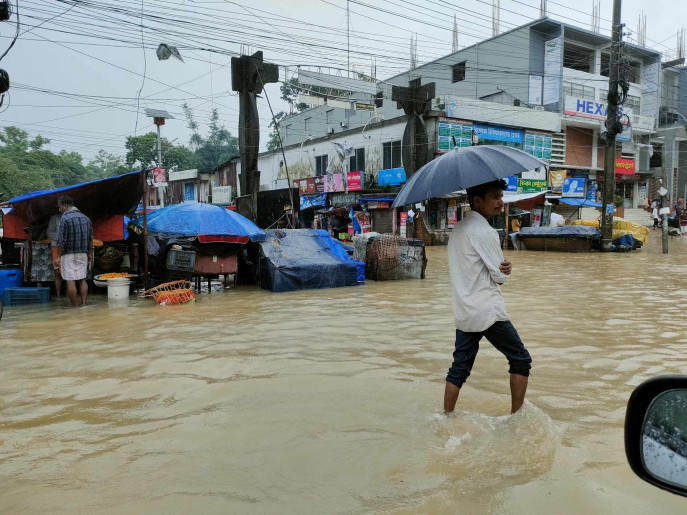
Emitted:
pixel 494 133
pixel 573 187
pixel 591 191
pixel 378 205
pixel 391 177
pixel 343 199
pixel 404 220
pixel 625 166
pixel 159 177
pixel 531 186
pixel 335 183
pixel 320 184
pixel 595 110
pixel 312 189
pixel 354 181
pixel 557 178
pixel 511 184
pixel 535 90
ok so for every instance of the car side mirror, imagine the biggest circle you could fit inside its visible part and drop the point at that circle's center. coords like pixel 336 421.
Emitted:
pixel 656 432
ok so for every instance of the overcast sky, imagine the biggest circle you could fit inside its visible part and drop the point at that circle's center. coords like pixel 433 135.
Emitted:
pixel 76 78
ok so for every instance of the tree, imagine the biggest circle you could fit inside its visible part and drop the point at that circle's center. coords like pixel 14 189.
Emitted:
pixel 142 151
pixel 273 142
pixel 216 148
pixel 106 165
pixel 289 94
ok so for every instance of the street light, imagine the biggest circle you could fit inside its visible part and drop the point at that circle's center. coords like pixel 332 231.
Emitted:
pixel 159 116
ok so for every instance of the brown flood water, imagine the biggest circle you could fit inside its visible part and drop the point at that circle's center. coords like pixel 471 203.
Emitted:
pixel 329 401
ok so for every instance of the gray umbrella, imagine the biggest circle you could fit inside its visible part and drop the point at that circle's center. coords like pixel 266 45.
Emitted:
pixel 463 168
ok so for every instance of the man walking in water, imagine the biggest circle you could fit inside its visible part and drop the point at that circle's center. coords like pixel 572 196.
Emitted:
pixel 75 244
pixel 477 268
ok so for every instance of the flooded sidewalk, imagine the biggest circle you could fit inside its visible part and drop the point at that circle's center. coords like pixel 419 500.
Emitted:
pixel 329 401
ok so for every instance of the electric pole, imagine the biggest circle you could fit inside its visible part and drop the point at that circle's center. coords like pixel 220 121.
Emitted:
pixel 611 132
pixel 665 203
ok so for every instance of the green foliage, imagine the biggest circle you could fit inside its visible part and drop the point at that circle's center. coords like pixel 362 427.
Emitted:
pixel 273 141
pixel 289 94
pixel 141 152
pixel 107 165
pixel 214 149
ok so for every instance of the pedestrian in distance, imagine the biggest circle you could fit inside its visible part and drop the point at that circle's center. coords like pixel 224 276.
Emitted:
pixel 478 268
pixel 654 213
pixel 75 244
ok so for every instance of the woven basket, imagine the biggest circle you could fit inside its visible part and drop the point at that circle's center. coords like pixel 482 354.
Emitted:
pixel 108 264
pixel 176 292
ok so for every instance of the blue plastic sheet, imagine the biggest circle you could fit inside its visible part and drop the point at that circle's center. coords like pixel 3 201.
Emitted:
pixel 297 259
pixel 195 219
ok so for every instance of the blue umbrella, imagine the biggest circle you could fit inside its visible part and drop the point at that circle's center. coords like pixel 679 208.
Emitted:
pixel 463 168
pixel 207 222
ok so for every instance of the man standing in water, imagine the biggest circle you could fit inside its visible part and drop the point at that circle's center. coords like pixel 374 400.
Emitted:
pixel 75 244
pixel 477 269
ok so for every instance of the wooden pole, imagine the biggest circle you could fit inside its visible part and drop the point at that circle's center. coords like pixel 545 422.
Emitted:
pixel 144 178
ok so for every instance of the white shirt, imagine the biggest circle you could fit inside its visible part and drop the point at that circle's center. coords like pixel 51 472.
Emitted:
pixel 474 257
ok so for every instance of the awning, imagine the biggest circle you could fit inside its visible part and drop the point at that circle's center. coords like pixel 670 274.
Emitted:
pixel 512 199
pixel 581 202
pixel 117 195
pixel 376 199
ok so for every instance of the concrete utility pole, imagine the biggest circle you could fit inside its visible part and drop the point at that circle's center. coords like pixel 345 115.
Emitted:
pixel 665 201
pixel 249 74
pixel 611 123
pixel 415 100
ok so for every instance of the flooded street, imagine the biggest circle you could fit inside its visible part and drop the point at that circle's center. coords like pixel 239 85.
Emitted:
pixel 328 401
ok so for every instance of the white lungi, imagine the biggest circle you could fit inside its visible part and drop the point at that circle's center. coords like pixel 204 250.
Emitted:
pixel 74 267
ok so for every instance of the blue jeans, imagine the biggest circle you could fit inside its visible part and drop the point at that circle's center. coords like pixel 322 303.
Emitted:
pixel 501 335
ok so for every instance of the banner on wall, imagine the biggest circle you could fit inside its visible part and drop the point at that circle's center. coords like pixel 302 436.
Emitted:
pixel 535 97
pixel 404 220
pixel 573 187
pixel 553 70
pixel 335 183
pixel 308 201
pixel 556 179
pixel 159 177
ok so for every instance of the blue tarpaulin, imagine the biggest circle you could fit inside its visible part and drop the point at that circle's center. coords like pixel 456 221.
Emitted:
pixel 582 202
pixel 195 219
pixel 297 259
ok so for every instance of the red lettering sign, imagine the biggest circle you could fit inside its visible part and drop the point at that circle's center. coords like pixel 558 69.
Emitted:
pixel 625 166
pixel 354 181
pixel 312 189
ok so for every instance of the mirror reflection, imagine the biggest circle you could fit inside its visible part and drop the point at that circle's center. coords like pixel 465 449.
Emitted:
pixel 664 439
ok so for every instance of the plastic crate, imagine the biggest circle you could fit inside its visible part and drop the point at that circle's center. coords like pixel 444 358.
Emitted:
pixel 10 278
pixel 23 296
pixel 181 259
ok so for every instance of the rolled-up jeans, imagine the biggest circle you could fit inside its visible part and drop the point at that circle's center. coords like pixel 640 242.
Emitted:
pixel 501 335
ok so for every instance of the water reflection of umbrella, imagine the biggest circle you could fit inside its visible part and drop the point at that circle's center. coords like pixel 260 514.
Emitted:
pixel 207 222
pixel 463 168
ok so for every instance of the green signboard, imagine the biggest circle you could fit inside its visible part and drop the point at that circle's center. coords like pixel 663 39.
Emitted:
pixel 531 186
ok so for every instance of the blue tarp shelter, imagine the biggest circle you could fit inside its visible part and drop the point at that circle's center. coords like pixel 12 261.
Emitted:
pixel 580 202
pixel 297 259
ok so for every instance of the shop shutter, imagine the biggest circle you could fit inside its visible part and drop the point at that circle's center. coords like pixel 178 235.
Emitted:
pixel 382 221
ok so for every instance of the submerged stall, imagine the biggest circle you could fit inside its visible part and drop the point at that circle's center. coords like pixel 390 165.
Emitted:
pixel 297 259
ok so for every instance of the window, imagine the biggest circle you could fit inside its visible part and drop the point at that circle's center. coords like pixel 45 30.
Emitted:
pixel 308 124
pixel 330 116
pixel 578 91
pixel 392 154
pixel 285 131
pixel 578 58
pixel 458 72
pixel 321 163
pixel 631 70
pixel 357 161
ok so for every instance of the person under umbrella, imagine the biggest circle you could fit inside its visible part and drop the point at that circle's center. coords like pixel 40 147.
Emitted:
pixel 477 269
